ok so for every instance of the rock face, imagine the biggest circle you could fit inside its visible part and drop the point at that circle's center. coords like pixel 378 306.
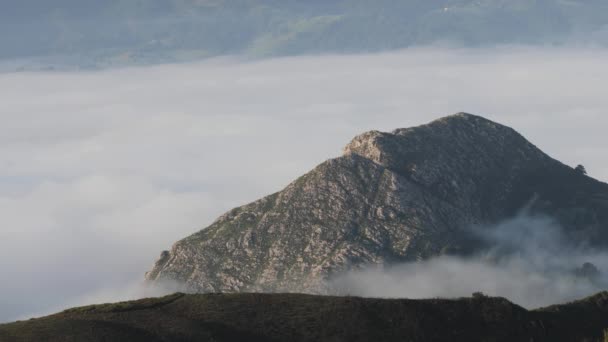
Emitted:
pixel 391 197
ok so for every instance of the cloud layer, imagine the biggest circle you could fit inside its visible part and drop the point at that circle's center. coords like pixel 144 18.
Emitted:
pixel 531 262
pixel 101 171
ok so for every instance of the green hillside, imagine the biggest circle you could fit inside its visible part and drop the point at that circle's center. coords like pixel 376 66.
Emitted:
pixel 121 32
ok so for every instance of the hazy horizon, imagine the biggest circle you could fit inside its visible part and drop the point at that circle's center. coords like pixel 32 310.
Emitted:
pixel 92 34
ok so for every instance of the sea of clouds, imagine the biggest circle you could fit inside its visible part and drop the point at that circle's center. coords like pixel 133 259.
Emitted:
pixel 100 171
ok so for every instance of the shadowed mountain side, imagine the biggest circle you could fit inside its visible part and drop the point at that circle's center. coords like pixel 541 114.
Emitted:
pixel 408 195
pixel 293 317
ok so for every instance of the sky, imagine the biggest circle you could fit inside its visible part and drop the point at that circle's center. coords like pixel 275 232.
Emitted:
pixel 101 171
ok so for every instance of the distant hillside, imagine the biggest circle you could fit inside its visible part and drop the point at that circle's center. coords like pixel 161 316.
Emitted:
pixel 91 33
pixel 292 317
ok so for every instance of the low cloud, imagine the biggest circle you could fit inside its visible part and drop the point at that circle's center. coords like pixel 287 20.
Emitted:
pixel 531 261
pixel 100 171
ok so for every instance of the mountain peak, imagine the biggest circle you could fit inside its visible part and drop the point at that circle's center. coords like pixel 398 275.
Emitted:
pixel 459 121
pixel 464 116
pixel 463 119
pixel 458 138
pixel 392 197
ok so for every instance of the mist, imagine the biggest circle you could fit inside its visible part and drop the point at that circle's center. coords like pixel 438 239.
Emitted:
pixel 530 261
pixel 100 171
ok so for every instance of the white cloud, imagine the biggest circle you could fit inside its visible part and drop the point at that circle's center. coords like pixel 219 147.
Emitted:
pixel 100 171
pixel 532 262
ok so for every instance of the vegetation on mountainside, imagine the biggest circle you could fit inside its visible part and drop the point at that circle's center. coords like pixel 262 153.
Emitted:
pixel 117 32
pixel 295 317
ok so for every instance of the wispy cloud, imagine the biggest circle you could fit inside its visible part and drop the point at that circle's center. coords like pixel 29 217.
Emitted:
pixel 530 260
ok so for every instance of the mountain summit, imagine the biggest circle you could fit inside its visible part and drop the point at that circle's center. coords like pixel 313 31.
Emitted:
pixel 406 195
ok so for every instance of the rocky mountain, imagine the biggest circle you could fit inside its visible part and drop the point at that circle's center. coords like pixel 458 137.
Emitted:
pixel 294 317
pixel 92 34
pixel 406 195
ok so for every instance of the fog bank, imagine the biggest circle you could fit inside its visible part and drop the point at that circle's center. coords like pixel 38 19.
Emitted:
pixel 100 171
pixel 531 262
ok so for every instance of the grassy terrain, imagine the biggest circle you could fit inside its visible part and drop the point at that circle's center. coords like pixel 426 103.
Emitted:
pixel 295 317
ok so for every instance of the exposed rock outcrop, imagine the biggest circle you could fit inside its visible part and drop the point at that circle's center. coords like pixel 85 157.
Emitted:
pixel 392 197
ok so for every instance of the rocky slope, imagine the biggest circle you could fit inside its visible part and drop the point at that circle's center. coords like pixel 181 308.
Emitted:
pixel 391 197
pixel 293 317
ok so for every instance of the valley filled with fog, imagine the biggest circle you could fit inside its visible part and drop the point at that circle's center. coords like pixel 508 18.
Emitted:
pixel 101 170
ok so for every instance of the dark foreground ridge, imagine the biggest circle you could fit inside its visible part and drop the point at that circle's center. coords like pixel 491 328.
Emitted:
pixel 297 317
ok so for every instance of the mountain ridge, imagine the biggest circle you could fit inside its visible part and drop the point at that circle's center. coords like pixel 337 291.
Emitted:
pixel 90 34
pixel 298 317
pixel 390 198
